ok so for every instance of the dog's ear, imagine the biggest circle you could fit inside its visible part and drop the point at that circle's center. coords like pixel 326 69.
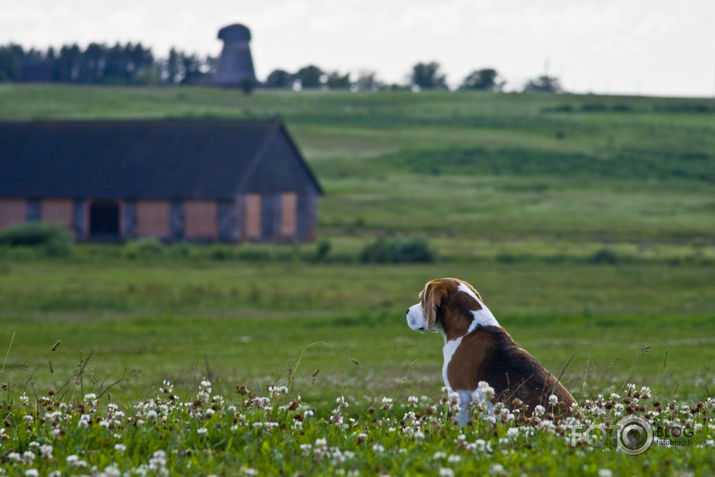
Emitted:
pixel 432 296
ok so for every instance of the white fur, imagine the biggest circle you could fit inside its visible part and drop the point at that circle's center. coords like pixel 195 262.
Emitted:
pixel 448 351
pixel 482 317
pixel 416 318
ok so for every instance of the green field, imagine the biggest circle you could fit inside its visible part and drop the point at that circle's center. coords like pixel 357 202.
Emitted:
pixel 586 223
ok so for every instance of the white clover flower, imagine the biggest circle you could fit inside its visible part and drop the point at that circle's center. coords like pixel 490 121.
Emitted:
pixel 539 410
pixel 512 433
pixel 120 448
pixel 605 473
pixel 386 403
pixel 46 451
pixel 248 471
pixel 454 458
pixel 321 442
pixel 202 431
pixel 439 455
pixel 28 419
pixel 412 400
pixel 497 469
pixel 485 390
pixel 55 473
pixel 31 473
pixel 28 457
pixel 24 400
pixel 111 471
pixel 446 472
pixel 378 448
pixel 553 399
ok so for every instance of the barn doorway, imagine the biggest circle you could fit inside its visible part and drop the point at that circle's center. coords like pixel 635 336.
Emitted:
pixel 104 220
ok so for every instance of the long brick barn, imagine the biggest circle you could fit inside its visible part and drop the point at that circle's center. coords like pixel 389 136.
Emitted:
pixel 204 180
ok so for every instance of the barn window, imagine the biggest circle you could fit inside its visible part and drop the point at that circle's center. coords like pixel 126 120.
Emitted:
pixel 58 211
pixel 104 219
pixel 12 211
pixel 200 219
pixel 252 220
pixel 152 218
pixel 289 214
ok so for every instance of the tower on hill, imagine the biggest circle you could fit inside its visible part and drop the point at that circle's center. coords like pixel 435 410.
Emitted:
pixel 235 65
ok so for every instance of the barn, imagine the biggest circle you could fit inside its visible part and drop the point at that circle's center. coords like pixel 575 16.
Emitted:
pixel 202 180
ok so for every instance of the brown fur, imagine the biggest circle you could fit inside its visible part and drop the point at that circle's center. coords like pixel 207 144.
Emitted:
pixel 487 353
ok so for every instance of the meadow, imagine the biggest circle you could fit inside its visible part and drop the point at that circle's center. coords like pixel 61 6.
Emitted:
pixel 586 223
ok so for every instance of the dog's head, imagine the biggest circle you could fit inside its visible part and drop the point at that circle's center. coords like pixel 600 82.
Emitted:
pixel 449 305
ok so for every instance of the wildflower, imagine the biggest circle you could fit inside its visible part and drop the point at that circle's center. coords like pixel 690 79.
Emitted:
pixel 25 400
pixel 604 473
pixel 553 399
pixel 386 403
pixel 14 456
pixel 202 431
pixel 419 435
pixel 378 448
pixel 485 390
pixel 46 451
pixel 28 419
pixel 75 461
pixel 120 448
pixel 111 471
pixel 412 401
pixel 453 458
pixel 321 442
pixel 439 455
pixel 446 472
pixel 28 457
pixel 341 402
pixel 539 410
pixel 497 469
pixel 249 471
pixel 512 433
pixel 31 473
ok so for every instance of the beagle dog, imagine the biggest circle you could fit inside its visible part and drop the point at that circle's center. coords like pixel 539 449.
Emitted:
pixel 477 348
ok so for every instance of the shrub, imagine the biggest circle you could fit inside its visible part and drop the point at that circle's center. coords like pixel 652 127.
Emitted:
pixel 53 239
pixel 33 234
pixel 145 247
pixel 604 256
pixel 399 250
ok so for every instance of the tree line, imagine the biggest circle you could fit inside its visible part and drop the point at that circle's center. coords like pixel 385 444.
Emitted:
pixel 134 64
pixel 98 63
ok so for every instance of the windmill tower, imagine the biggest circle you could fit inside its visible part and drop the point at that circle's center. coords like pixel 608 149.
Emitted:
pixel 235 64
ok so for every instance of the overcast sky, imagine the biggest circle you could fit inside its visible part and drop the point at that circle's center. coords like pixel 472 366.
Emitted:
pixel 660 47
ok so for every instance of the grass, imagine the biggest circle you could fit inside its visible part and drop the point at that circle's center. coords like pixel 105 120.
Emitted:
pixel 586 222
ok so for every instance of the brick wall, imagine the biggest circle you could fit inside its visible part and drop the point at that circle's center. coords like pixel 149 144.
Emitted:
pixel 12 211
pixel 153 218
pixel 58 211
pixel 201 219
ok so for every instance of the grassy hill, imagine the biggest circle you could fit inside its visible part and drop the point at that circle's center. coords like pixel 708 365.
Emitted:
pixel 527 172
pixel 520 193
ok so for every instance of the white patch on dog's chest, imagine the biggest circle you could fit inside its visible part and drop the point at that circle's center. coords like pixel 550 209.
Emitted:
pixel 450 347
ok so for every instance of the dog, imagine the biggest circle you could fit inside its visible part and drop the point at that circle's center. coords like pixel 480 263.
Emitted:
pixel 477 348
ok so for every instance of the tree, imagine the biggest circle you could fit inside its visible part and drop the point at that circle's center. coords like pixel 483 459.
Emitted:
pixel 337 81
pixel 310 76
pixel 279 79
pixel 427 76
pixel 543 84
pixel 484 79
pixel 367 81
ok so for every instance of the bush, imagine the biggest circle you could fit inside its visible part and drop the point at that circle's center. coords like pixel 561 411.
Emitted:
pixel 604 256
pixel 54 239
pixel 145 247
pixel 399 250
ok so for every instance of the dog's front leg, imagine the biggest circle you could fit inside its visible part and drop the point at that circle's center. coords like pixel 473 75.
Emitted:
pixel 465 407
